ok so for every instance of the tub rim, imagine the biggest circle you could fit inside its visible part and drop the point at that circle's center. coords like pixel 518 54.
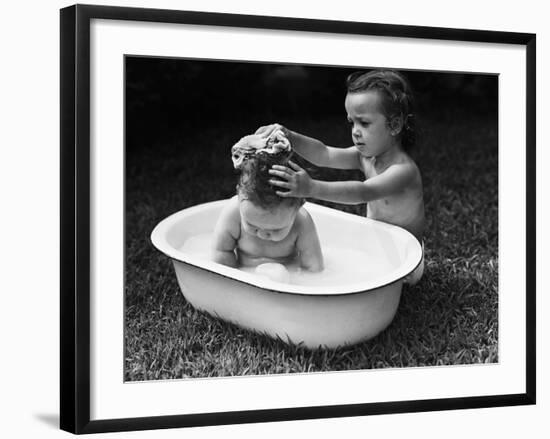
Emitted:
pixel 158 239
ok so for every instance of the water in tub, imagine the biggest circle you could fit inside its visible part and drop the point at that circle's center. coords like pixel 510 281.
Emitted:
pixel 342 265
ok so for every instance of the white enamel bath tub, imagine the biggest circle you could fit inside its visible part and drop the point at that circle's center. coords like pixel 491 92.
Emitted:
pixel 326 314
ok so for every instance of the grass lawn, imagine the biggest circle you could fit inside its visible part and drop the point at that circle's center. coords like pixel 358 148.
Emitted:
pixel 450 317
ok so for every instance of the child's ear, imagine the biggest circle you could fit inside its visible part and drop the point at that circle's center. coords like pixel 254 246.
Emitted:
pixel 396 125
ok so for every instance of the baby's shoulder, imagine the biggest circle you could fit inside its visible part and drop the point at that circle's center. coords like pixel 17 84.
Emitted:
pixel 230 216
pixel 303 214
pixel 303 221
pixel 231 207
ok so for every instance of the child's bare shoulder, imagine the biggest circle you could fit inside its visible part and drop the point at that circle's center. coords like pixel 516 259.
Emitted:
pixel 231 207
pixel 230 216
pixel 405 166
pixel 303 221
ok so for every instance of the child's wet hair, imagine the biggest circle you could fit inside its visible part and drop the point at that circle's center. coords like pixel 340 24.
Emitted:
pixel 254 186
pixel 397 98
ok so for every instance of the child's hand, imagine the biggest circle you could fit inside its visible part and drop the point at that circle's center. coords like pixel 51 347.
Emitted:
pixel 267 130
pixel 295 179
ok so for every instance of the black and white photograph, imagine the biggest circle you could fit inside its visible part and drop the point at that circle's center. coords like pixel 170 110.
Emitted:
pixel 293 218
pixel 270 218
pixel 275 219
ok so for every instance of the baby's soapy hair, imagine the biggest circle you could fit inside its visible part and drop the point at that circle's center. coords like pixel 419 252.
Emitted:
pixel 397 98
pixel 254 185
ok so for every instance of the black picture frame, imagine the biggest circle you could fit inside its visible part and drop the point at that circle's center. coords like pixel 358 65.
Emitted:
pixel 75 217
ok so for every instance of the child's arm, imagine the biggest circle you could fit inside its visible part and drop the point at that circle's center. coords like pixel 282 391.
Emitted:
pixel 226 234
pixel 309 248
pixel 299 184
pixel 316 151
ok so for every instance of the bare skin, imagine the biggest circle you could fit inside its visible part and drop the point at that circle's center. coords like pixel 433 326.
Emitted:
pixel 393 185
pixel 247 235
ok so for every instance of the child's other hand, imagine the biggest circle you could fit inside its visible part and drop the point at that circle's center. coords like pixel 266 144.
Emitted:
pixel 295 179
pixel 267 130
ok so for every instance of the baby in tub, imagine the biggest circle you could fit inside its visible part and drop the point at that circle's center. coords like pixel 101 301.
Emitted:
pixel 257 227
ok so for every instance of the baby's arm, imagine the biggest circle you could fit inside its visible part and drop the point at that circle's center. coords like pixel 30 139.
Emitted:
pixel 226 234
pixel 316 151
pixel 390 182
pixel 309 248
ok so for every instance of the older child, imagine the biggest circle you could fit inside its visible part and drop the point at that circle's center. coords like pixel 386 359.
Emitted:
pixel 258 227
pixel 379 106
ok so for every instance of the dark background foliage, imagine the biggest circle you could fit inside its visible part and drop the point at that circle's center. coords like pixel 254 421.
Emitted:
pixel 167 97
